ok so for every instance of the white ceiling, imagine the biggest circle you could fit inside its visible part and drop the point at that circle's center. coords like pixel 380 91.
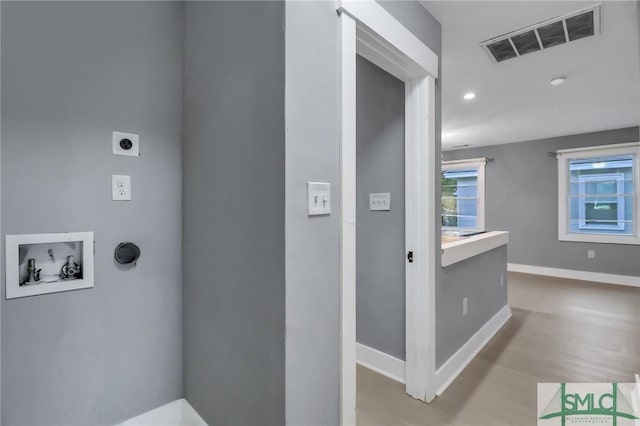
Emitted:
pixel 515 101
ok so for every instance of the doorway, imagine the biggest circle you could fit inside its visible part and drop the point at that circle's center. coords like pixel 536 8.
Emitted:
pixel 380 217
pixel 368 30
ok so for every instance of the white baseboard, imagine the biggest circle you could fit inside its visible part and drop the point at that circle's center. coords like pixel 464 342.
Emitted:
pixel 175 413
pixel 459 360
pixel 597 277
pixel 380 362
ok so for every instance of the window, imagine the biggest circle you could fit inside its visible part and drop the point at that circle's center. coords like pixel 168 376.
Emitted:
pixel 463 194
pixel 598 194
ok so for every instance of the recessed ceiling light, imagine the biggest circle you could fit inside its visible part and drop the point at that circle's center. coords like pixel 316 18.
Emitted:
pixel 557 81
pixel 469 95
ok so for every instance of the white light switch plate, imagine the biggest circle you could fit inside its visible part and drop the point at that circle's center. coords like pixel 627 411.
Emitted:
pixel 380 201
pixel 319 198
pixel 120 188
pixel 130 148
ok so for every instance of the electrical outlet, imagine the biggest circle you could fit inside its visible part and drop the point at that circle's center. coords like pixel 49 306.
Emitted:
pixel 501 280
pixel 120 188
pixel 465 307
pixel 591 254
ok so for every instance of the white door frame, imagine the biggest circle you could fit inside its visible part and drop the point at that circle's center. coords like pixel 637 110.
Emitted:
pixel 370 31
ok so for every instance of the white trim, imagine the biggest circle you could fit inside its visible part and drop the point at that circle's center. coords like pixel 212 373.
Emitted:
pixel 380 362
pixel 597 148
pixel 433 240
pixel 564 178
pixel 480 164
pixel 420 237
pixel 635 396
pixel 598 277
pixel 14 290
pixel 1 253
pixel 348 223
pixel 174 413
pixel 457 251
pixel 394 48
pixel 448 371
pixel 600 238
pixel 369 30
pixel 460 164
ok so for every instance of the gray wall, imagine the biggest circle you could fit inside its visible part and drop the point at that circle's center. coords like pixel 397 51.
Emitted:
pixel 477 279
pixel 522 198
pixel 380 267
pixel 424 26
pixel 312 244
pixel 233 211
pixel 73 72
pixel 452 331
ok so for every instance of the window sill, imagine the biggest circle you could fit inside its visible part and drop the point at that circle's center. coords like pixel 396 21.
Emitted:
pixel 600 239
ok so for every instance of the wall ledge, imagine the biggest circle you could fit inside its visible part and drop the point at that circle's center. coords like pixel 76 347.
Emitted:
pixel 175 413
pixel 598 277
pixel 467 247
pixel 448 371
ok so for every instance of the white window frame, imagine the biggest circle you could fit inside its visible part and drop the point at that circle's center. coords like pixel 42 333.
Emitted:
pixel 564 177
pixel 471 163
pixel 582 208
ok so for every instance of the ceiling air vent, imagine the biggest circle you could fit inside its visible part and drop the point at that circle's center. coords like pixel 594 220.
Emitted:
pixel 543 35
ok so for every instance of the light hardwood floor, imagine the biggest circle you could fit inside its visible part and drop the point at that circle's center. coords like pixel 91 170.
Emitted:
pixel 561 331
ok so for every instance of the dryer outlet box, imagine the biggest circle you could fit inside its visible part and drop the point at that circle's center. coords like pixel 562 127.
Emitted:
pixel 127 144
